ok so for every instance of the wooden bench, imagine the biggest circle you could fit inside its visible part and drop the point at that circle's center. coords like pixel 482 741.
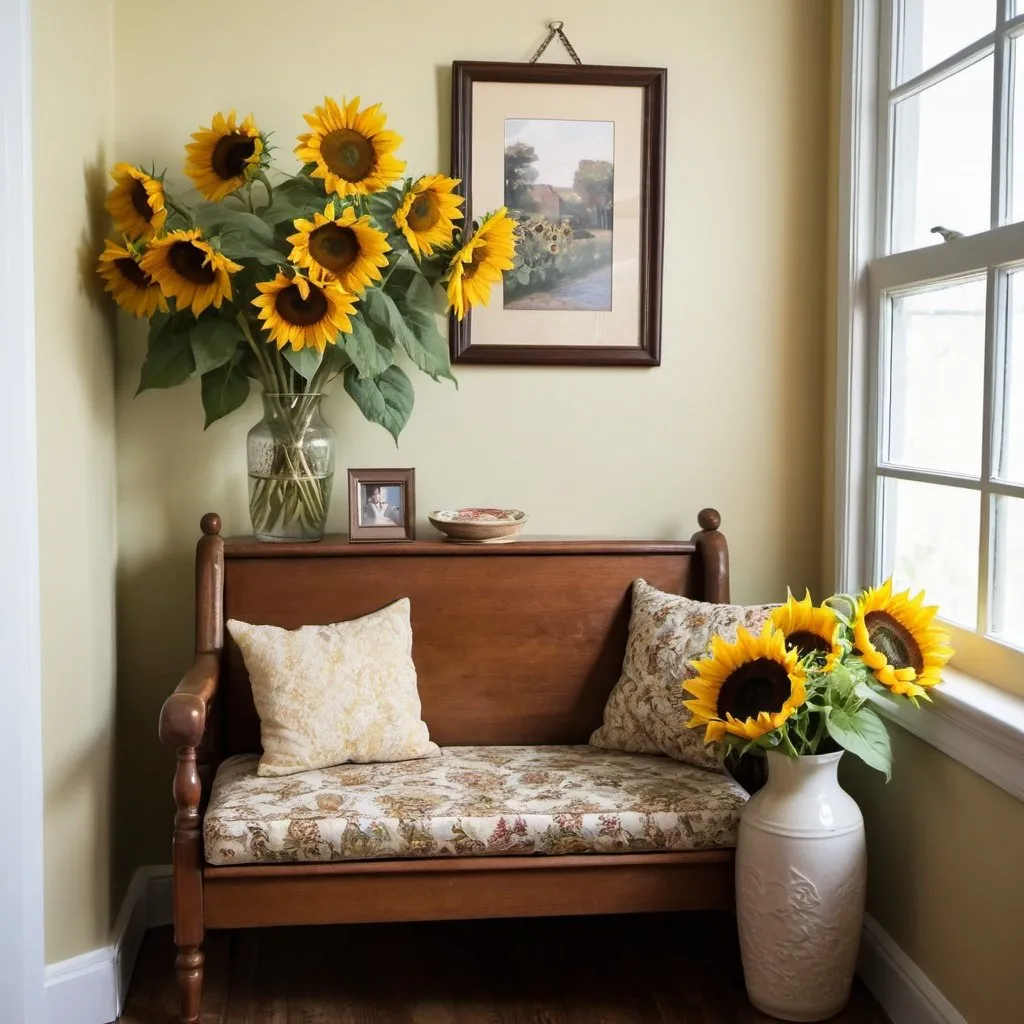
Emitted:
pixel 514 644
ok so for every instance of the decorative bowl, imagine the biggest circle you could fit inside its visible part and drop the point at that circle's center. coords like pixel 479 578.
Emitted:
pixel 479 525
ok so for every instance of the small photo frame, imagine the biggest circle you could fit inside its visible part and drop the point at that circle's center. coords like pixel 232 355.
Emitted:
pixel 381 505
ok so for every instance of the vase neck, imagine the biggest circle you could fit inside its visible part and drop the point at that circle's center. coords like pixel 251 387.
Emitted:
pixel 280 405
pixel 799 772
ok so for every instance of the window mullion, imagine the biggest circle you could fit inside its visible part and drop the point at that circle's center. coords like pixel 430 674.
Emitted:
pixel 1001 104
pixel 995 318
pixel 884 163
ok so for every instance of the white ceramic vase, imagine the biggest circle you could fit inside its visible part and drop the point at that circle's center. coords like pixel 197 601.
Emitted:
pixel 800 884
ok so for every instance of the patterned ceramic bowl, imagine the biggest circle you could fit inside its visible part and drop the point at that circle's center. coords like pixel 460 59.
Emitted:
pixel 479 525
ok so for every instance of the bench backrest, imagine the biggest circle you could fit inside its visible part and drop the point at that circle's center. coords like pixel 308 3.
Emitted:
pixel 518 643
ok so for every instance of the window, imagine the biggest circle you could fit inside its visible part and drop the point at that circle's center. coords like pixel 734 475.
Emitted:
pixel 945 373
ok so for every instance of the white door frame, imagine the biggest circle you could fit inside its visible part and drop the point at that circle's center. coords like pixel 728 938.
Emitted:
pixel 21 765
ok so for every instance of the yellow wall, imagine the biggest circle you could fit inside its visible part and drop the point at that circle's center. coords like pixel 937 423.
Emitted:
pixel 731 419
pixel 73 124
pixel 944 874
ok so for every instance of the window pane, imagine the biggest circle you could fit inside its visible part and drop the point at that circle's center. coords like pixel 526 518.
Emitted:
pixel 1017 126
pixel 933 30
pixel 1008 446
pixel 1007 579
pixel 942 159
pixel 936 372
pixel 930 542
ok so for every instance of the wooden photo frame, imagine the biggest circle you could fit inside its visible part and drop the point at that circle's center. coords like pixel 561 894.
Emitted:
pixel 577 154
pixel 381 505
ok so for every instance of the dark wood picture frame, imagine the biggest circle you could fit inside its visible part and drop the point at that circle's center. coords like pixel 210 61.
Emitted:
pixel 653 82
pixel 404 478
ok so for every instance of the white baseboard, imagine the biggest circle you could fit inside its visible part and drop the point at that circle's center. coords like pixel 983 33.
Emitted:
pixel 904 991
pixel 91 988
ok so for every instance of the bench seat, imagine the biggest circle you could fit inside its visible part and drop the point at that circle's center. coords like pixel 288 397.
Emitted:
pixel 470 801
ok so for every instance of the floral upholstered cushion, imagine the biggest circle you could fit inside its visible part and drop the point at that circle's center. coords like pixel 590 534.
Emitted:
pixel 470 801
pixel 330 694
pixel 645 712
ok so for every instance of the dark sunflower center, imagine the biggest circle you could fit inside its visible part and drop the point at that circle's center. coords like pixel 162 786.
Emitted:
pixel 759 685
pixel 131 271
pixel 140 201
pixel 230 154
pixel 335 248
pixel 805 641
pixel 424 212
pixel 347 154
pixel 894 640
pixel 187 261
pixel 293 308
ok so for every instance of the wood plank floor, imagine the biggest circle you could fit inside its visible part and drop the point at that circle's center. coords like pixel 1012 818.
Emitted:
pixel 644 969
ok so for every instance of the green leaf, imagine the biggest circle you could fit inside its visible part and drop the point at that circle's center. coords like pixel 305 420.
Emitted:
pixel 218 219
pixel 386 400
pixel 863 734
pixel 368 357
pixel 413 326
pixel 214 341
pixel 293 198
pixel 169 360
pixel 305 362
pixel 224 390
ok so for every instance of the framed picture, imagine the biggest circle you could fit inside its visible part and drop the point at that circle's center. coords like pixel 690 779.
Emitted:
pixel 381 504
pixel 577 154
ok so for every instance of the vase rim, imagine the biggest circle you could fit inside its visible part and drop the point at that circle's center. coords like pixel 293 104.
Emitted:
pixel 293 394
pixel 828 758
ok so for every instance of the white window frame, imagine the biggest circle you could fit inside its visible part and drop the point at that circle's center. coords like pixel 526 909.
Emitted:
pixel 21 796
pixel 865 279
pixel 978 725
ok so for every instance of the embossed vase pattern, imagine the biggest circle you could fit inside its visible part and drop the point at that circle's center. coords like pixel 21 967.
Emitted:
pixel 800 885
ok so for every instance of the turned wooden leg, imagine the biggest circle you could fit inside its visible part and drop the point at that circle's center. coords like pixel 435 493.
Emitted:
pixel 188 887
pixel 189 965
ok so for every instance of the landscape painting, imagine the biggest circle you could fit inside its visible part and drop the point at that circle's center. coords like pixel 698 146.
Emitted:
pixel 559 178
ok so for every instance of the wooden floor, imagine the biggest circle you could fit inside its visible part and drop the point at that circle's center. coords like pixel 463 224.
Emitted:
pixel 647 969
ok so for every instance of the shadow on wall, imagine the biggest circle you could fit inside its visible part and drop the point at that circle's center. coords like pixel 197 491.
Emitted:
pixel 155 599
pixel 94 233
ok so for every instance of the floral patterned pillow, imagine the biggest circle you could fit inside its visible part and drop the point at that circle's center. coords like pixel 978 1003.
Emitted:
pixel 645 712
pixel 331 694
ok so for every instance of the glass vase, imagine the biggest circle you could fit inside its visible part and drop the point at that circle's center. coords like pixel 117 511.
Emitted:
pixel 291 469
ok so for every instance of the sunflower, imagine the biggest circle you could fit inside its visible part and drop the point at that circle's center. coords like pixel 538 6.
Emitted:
pixel 809 630
pixel 190 270
pixel 133 289
pixel 136 202
pixel 895 636
pixel 350 148
pixel 347 249
pixel 225 156
pixel 746 688
pixel 479 263
pixel 303 312
pixel 426 214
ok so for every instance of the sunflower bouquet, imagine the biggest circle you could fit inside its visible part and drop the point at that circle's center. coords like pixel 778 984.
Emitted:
pixel 292 280
pixel 806 683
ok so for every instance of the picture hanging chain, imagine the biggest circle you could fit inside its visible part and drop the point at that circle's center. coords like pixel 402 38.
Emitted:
pixel 555 28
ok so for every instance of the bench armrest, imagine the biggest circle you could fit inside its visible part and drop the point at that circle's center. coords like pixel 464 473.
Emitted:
pixel 183 716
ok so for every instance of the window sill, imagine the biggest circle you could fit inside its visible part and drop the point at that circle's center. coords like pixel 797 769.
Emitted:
pixel 972 722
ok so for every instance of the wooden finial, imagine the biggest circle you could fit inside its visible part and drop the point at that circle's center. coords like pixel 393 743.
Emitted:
pixel 210 524
pixel 709 519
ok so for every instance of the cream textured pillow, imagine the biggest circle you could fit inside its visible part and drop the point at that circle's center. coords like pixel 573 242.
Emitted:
pixel 331 694
pixel 645 712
